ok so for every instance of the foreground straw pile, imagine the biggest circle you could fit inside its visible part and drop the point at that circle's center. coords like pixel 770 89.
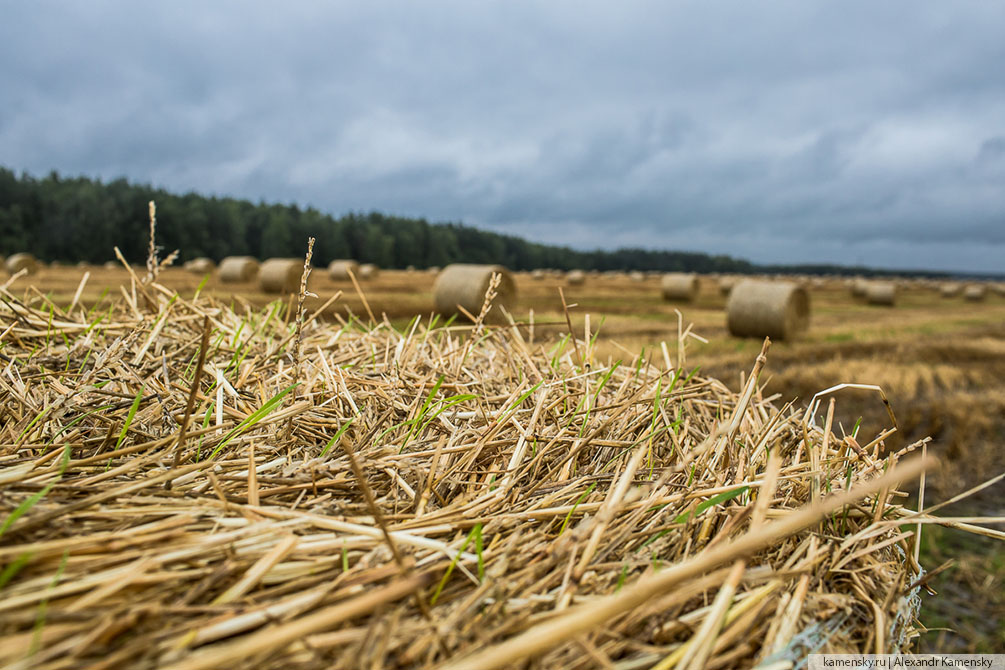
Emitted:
pixel 517 504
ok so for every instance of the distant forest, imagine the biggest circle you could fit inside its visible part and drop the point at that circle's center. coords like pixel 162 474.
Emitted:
pixel 75 219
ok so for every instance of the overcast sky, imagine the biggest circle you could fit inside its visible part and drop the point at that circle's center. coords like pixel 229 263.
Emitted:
pixel 790 131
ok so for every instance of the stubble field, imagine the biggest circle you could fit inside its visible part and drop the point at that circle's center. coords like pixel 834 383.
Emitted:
pixel 940 362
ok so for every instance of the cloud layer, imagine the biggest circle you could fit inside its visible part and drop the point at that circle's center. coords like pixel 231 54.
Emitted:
pixel 789 132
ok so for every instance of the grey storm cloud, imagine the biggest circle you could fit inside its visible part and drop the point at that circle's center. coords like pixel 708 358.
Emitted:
pixel 786 132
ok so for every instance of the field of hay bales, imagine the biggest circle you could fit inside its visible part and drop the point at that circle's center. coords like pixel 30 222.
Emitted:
pixel 193 480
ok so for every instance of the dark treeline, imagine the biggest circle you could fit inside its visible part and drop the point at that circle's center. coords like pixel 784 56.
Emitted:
pixel 75 219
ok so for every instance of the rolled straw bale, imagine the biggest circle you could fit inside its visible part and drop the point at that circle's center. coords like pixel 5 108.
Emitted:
pixel 975 292
pixel 950 290
pixel 238 269
pixel 575 278
pixel 637 276
pixel 779 310
pixel 200 266
pixel 433 269
pixel 21 261
pixel 466 285
pixel 368 271
pixel 537 274
pixel 726 285
pixel 882 293
pixel 859 287
pixel 339 269
pixel 680 286
pixel 281 275
pixel 111 265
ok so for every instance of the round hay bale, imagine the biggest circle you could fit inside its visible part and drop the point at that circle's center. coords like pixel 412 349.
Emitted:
pixel 575 278
pixel 238 269
pixel 433 269
pixel 22 261
pixel 680 286
pixel 368 271
pixel 779 310
pixel 111 265
pixel 537 274
pixel 339 269
pixel 200 266
pixel 281 275
pixel 465 285
pixel 726 285
pixel 975 293
pixel 637 276
pixel 883 293
pixel 950 290
pixel 859 286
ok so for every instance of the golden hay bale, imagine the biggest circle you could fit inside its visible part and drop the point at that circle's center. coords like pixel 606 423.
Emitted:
pixel 637 276
pixel 433 269
pixel 975 292
pixel 465 285
pixel 339 269
pixel 680 286
pixel 238 269
pixel 537 274
pixel 281 275
pixel 859 286
pixel 726 285
pixel 575 278
pixel 22 261
pixel 368 271
pixel 200 266
pixel 950 290
pixel 882 293
pixel 779 310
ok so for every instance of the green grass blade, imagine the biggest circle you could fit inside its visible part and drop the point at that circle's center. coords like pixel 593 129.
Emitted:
pixel 129 417
pixel 256 417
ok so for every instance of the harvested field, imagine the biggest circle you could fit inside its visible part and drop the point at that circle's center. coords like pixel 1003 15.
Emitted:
pixel 424 496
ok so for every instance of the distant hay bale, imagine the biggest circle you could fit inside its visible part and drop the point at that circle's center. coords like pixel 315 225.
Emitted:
pixel 975 293
pixel 575 278
pixel 200 266
pixel 21 261
pixel 950 290
pixel 238 269
pixel 339 269
pixel 281 275
pixel 111 265
pixel 726 285
pixel 433 269
pixel 859 286
pixel 637 276
pixel 537 274
pixel 882 293
pixel 679 286
pixel 466 285
pixel 779 310
pixel 368 271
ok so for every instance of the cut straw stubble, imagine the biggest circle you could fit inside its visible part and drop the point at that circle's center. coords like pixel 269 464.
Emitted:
pixel 585 617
